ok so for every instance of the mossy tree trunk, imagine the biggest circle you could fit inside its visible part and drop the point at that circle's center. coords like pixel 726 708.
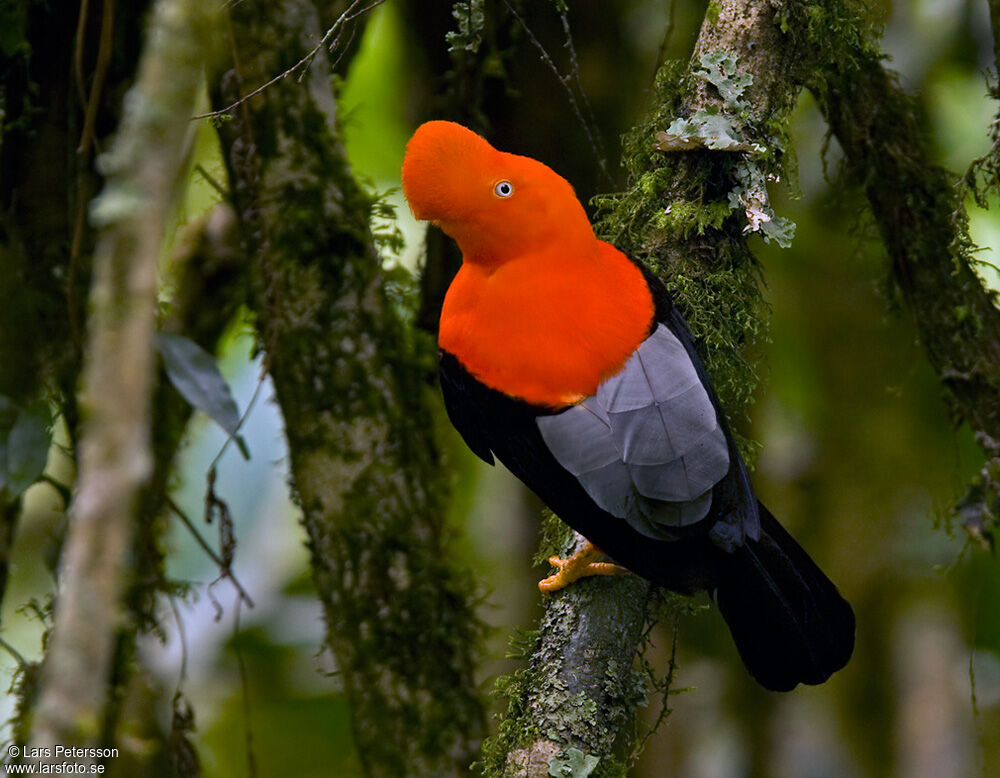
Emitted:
pixel 920 211
pixel 574 706
pixel 115 451
pixel 47 179
pixel 353 379
pixel 686 213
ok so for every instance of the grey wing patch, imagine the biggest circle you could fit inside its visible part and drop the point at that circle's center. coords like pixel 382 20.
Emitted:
pixel 647 447
pixel 580 439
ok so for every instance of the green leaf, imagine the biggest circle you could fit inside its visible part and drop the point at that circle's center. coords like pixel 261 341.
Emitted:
pixel 24 445
pixel 194 374
pixel 575 764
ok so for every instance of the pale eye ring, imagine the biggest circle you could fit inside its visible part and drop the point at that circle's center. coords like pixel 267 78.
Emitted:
pixel 503 189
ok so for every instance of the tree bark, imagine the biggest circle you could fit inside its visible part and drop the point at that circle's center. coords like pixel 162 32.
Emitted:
pixel 47 179
pixel 922 223
pixel 208 272
pixel 994 6
pixel 580 690
pixel 352 378
pixel 920 210
pixel 115 456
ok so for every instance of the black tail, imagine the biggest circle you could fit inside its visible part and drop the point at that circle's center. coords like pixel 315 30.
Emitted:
pixel 788 620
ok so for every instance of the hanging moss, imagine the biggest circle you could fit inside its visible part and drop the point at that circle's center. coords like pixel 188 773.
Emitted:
pixel 920 211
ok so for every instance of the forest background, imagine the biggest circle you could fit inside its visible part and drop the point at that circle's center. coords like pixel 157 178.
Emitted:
pixel 859 455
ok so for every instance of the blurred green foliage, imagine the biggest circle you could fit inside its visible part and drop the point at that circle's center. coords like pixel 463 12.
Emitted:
pixel 858 458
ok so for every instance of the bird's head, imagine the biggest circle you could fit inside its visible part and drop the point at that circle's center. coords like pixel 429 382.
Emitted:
pixel 496 205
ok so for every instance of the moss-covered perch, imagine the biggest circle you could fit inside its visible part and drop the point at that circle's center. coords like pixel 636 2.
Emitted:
pixel 921 215
pixel 684 216
pixel 352 379
pixel 572 710
pixel 115 452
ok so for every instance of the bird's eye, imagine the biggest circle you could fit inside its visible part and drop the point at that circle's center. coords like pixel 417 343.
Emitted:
pixel 503 189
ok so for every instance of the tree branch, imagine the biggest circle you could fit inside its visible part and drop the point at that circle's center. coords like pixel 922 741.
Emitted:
pixel 115 456
pixel 995 28
pixel 210 278
pixel 920 210
pixel 352 380
pixel 580 689
pixel 922 221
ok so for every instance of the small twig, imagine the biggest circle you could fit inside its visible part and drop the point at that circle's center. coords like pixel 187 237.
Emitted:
pixel 182 675
pixel 21 661
pixel 565 82
pixel 973 696
pixel 225 194
pixel 597 146
pixel 81 29
pixel 663 687
pixel 64 491
pixel 100 72
pixel 346 16
pixel 245 689
pixel 72 271
pixel 224 569
pixel 343 51
pixel 239 424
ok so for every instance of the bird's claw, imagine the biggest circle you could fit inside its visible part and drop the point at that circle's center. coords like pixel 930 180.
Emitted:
pixel 580 565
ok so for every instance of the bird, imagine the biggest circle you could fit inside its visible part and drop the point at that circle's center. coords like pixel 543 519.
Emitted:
pixel 569 362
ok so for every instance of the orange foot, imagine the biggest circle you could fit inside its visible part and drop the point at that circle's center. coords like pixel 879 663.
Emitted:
pixel 580 565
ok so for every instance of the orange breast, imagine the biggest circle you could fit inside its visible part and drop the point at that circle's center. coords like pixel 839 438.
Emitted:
pixel 547 328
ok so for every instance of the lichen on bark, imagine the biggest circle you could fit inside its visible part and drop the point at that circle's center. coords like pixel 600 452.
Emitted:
pixel 352 378
pixel 580 688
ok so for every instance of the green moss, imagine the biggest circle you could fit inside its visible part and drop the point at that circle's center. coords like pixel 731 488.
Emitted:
pixel 834 35
pixel 920 212
pixel 554 537
pixel 676 217
pixel 516 729
pixel 686 218
pixel 712 12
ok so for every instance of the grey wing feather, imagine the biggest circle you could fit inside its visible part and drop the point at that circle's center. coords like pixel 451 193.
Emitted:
pixel 647 447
